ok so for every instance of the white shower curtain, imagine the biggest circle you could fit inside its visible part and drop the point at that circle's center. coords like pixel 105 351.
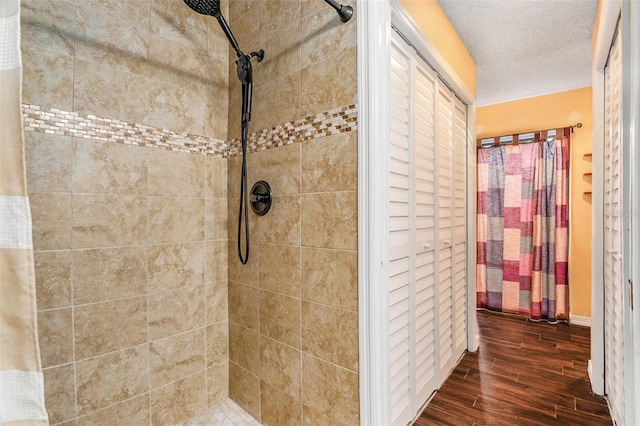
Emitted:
pixel 21 382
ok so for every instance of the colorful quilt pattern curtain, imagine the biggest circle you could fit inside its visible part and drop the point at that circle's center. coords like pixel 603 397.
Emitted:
pixel 522 226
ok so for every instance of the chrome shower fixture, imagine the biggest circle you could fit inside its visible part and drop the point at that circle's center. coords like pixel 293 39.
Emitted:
pixel 345 12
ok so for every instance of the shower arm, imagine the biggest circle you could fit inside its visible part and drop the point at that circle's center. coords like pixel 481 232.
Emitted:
pixel 345 12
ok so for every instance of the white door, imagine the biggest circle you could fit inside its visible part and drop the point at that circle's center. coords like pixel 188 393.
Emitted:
pixel 613 279
pixel 424 232
pixel 427 229
pixel 445 119
pixel 399 195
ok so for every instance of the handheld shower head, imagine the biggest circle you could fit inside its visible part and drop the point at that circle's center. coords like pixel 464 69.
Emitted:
pixel 205 7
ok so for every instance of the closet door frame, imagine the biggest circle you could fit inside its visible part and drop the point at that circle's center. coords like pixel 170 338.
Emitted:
pixel 629 15
pixel 373 35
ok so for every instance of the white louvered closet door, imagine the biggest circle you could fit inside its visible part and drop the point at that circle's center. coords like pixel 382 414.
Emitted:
pixel 399 239
pixel 444 161
pixel 424 168
pixel 426 205
pixel 613 279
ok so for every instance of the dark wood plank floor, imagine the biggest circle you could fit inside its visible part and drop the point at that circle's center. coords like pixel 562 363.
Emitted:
pixel 525 373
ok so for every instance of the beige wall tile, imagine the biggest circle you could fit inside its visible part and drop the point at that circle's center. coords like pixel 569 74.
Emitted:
pixel 176 311
pixel 277 14
pixel 331 390
pixel 248 273
pixel 217 343
pixel 106 274
pixel 325 35
pixel 217 112
pixel 172 266
pixel 48 23
pixel 216 225
pixel 176 357
pixel 337 230
pixel 216 181
pixel 330 163
pixel 283 53
pixel 110 92
pixel 51 220
pixel 134 411
pixel 53 278
pixel 48 162
pixel 117 37
pixel 246 25
pixel 330 277
pixel 282 224
pixel 244 389
pixel 180 401
pixel 244 347
pixel 280 366
pixel 240 7
pixel 278 166
pixel 55 333
pixel 280 317
pixel 109 326
pixel 124 9
pixel 321 90
pixel 180 108
pixel 217 383
pixel 108 220
pixel 216 264
pixel 234 167
pixel 186 64
pixel 41 86
pixel 59 393
pixel 278 101
pixel 217 44
pixel 243 305
pixel 313 418
pixel 175 219
pixel 112 378
pixel 280 269
pixel 331 334
pixel 176 21
pixel 277 408
pixel 177 174
pixel 312 6
pixel 109 168
pixel 217 302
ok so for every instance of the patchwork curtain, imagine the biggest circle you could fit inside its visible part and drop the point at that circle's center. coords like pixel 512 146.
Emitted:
pixel 522 226
pixel 21 381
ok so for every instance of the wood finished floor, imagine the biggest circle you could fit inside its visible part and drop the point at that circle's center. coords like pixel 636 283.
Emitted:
pixel 524 373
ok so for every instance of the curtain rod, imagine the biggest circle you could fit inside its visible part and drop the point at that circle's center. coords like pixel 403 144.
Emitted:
pixel 516 136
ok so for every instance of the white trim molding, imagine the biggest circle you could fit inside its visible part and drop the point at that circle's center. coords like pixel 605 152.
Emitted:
pixel 374 26
pixel 580 320
pixel 606 29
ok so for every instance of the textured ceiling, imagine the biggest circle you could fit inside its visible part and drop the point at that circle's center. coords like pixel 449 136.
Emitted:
pixel 525 48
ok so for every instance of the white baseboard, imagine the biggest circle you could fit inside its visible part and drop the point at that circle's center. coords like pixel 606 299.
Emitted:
pixel 578 320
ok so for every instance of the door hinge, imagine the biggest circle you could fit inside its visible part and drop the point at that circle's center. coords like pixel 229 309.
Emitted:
pixel 631 294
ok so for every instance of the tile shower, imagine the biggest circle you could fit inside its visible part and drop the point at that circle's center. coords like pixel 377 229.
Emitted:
pixel 131 125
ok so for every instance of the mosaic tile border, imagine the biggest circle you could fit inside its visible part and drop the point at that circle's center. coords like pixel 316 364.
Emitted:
pixel 332 122
pixel 68 123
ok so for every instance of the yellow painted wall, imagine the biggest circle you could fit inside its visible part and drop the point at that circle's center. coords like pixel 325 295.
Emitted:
pixel 435 25
pixel 550 112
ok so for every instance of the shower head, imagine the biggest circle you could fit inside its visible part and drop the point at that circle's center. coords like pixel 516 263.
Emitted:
pixel 205 7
